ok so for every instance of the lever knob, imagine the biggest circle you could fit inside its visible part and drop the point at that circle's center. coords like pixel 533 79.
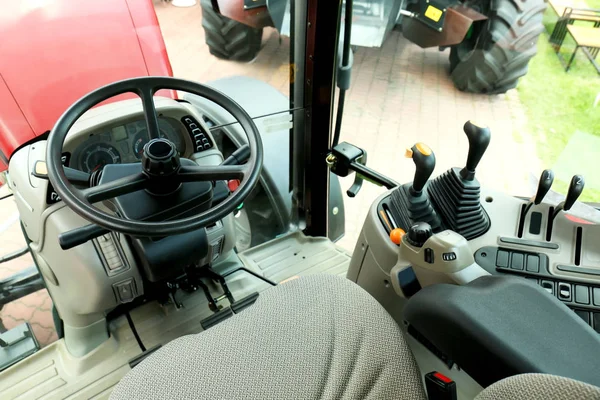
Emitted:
pixel 424 160
pixel 575 189
pixel 544 186
pixel 419 233
pixel 479 139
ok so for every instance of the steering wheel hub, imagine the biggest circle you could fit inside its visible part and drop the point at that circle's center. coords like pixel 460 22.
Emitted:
pixel 160 158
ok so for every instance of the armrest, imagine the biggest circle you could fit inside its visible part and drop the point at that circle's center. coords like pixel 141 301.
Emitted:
pixel 497 326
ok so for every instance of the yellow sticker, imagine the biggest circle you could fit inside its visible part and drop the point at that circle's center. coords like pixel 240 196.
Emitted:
pixel 433 13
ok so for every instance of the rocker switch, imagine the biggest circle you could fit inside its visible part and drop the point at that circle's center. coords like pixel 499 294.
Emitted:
pixel 125 290
pixel 429 256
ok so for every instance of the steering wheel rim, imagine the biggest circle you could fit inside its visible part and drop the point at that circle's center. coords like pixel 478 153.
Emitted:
pixel 81 201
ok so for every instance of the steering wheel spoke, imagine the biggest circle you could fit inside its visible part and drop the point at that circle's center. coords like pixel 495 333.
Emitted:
pixel 146 93
pixel 211 173
pixel 116 188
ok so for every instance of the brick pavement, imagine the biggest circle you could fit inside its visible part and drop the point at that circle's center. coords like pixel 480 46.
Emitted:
pixel 400 94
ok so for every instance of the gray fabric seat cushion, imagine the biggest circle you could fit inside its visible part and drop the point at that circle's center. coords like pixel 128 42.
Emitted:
pixel 316 337
pixel 539 387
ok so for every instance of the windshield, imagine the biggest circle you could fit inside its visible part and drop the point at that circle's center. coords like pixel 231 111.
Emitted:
pixel 503 75
pixel 418 73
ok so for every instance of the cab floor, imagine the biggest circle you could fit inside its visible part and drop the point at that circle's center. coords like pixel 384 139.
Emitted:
pixel 52 373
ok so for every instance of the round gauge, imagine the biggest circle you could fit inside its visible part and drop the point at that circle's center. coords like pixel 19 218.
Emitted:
pixel 140 140
pixel 96 156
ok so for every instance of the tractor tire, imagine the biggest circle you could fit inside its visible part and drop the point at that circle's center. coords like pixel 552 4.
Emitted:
pixel 499 50
pixel 228 39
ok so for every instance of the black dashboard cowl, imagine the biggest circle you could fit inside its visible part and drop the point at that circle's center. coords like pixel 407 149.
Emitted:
pixel 166 257
pixel 190 199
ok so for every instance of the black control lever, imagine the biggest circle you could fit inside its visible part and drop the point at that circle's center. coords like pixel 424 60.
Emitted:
pixel 544 185
pixel 358 180
pixel 424 160
pixel 238 157
pixel 479 140
pixel 346 158
pixel 575 189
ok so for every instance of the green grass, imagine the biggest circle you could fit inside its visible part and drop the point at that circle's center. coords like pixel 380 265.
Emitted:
pixel 558 103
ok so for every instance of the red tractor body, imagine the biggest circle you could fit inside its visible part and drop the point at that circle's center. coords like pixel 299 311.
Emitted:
pixel 55 51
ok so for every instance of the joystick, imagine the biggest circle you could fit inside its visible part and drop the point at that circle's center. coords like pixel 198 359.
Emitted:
pixel 544 186
pixel 456 192
pixel 575 189
pixel 411 201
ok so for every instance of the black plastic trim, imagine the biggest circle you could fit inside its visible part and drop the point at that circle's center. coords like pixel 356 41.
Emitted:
pixel 500 326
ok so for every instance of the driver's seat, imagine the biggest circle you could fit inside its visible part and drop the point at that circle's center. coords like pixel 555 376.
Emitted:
pixel 316 337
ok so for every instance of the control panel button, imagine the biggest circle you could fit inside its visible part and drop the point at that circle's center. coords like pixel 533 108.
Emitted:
pixel 533 263
pixel 449 256
pixel 564 291
pixel 584 315
pixel 548 286
pixel 517 261
pixel 596 293
pixel 429 256
pixel 597 322
pixel 502 259
pixel 125 290
pixel 582 294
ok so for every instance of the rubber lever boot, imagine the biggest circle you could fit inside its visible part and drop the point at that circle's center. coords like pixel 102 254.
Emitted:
pixel 479 140
pixel 410 202
pixel 456 193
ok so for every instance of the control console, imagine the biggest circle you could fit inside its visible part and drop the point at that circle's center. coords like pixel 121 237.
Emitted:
pixel 447 217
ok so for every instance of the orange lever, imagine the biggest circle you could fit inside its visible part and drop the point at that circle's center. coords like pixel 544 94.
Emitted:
pixel 396 235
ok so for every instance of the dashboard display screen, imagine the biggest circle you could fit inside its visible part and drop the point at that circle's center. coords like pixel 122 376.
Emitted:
pixel 119 133
pixel 123 144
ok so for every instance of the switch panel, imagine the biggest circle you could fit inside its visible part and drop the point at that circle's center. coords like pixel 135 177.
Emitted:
pixel 199 137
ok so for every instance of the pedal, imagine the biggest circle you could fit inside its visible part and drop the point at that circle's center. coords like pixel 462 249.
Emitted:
pixel 17 344
pixel 216 318
pixel 244 303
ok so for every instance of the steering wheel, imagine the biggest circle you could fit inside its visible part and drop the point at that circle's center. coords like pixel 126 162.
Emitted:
pixel 160 161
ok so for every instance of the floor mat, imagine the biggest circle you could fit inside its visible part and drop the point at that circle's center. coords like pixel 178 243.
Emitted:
pixel 53 373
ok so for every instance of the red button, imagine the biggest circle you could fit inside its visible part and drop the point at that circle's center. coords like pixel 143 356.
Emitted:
pixel 442 378
pixel 233 185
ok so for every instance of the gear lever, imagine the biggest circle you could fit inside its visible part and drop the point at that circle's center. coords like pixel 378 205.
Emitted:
pixel 479 140
pixel 409 200
pixel 424 160
pixel 544 186
pixel 575 189
pixel 456 192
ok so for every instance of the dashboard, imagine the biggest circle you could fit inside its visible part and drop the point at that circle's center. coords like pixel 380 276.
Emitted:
pixel 123 143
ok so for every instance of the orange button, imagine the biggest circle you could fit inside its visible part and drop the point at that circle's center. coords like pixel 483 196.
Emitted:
pixel 396 235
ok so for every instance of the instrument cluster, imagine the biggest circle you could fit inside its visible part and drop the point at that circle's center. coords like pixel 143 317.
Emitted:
pixel 123 144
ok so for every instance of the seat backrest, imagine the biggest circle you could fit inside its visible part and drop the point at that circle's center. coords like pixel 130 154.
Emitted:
pixel 539 387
